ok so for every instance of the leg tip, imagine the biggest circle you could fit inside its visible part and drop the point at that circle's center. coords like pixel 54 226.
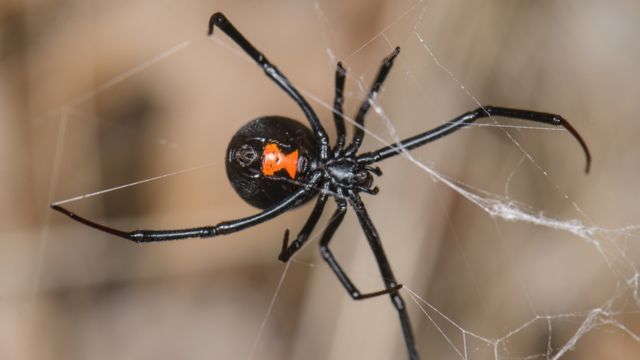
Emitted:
pixel 216 19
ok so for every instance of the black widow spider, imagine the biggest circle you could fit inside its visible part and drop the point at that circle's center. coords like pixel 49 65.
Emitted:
pixel 276 164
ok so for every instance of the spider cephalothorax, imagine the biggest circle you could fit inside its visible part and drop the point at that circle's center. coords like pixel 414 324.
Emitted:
pixel 276 164
pixel 348 174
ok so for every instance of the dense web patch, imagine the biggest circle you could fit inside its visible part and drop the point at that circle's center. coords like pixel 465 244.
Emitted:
pixel 615 246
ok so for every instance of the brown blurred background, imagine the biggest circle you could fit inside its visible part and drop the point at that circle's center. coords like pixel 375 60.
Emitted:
pixel 98 94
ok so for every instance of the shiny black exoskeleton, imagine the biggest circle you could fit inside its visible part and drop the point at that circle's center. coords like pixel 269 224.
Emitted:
pixel 347 173
pixel 245 155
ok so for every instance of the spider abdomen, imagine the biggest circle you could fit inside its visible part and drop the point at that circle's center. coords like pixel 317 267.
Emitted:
pixel 269 158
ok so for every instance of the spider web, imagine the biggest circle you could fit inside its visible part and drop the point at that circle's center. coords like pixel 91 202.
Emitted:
pixel 460 340
pixel 504 253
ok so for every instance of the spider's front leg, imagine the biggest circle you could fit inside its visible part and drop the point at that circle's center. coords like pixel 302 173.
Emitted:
pixel 358 134
pixel 468 118
pixel 338 117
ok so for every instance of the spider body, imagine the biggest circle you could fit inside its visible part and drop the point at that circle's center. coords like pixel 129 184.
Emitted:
pixel 269 157
pixel 276 164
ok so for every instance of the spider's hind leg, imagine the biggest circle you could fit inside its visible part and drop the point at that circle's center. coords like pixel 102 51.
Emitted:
pixel 386 272
pixel 327 255
pixel 218 19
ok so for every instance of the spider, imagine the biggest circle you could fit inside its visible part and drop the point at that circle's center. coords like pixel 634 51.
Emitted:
pixel 276 164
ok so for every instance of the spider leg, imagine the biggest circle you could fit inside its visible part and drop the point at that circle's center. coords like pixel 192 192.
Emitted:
pixel 223 228
pixel 358 134
pixel 466 119
pixel 289 250
pixel 219 20
pixel 327 255
pixel 374 169
pixel 371 191
pixel 385 269
pixel 337 109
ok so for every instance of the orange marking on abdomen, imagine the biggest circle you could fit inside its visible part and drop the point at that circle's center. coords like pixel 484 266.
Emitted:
pixel 273 160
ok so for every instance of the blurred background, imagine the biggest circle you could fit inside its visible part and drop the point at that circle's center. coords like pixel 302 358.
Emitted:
pixel 100 94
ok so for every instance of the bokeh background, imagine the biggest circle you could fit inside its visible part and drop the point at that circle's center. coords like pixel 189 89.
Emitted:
pixel 99 94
